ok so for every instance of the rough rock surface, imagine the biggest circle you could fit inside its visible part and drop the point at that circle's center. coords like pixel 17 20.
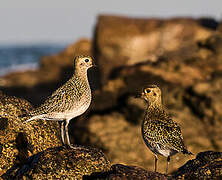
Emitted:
pixel 207 165
pixel 19 140
pixel 61 163
pixel 143 40
pixel 189 73
pixel 120 171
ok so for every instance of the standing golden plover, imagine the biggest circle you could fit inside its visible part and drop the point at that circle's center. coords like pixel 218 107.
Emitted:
pixel 160 133
pixel 69 101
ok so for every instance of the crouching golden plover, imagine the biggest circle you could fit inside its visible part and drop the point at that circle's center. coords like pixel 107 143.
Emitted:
pixel 69 101
pixel 160 133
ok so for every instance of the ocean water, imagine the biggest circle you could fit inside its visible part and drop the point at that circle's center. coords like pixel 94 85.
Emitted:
pixel 24 57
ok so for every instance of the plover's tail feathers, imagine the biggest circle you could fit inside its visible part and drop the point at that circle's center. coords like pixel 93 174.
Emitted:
pixel 26 117
pixel 185 151
pixel 30 119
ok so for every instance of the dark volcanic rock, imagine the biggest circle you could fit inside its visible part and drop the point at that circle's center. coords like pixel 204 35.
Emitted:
pixel 18 140
pixel 119 171
pixel 61 163
pixel 207 165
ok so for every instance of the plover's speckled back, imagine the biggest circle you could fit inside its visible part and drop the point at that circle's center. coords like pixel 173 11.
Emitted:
pixel 161 134
pixel 70 100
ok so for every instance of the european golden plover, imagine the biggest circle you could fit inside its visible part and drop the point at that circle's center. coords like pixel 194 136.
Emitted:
pixel 69 101
pixel 160 133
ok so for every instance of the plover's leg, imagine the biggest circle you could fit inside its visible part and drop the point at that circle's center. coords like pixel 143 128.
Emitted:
pixel 67 136
pixel 67 133
pixel 156 159
pixel 62 132
pixel 168 162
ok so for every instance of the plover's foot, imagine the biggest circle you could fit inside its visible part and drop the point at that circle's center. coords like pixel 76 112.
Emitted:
pixel 73 147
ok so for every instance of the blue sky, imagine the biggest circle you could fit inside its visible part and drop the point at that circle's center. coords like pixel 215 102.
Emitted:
pixel 65 21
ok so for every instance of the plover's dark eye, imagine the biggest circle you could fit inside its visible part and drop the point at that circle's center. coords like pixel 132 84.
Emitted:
pixel 86 60
pixel 147 91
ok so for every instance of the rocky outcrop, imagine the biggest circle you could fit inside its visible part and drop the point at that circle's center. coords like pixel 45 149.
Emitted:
pixel 191 92
pixel 60 163
pixel 207 165
pixel 90 163
pixel 19 140
pixel 183 56
pixel 120 171
pixel 122 41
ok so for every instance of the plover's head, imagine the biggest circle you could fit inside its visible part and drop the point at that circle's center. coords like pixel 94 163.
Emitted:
pixel 151 93
pixel 83 62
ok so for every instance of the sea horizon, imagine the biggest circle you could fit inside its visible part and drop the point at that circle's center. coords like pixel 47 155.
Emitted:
pixel 20 57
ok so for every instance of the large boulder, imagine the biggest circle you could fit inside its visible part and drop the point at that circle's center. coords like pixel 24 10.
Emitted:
pixel 120 171
pixel 18 139
pixel 61 163
pixel 206 165
pixel 122 41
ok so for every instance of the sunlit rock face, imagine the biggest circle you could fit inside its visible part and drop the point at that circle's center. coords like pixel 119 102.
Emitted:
pixel 18 139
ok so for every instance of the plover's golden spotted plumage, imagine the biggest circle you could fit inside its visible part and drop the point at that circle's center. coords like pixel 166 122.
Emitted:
pixel 161 134
pixel 70 100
